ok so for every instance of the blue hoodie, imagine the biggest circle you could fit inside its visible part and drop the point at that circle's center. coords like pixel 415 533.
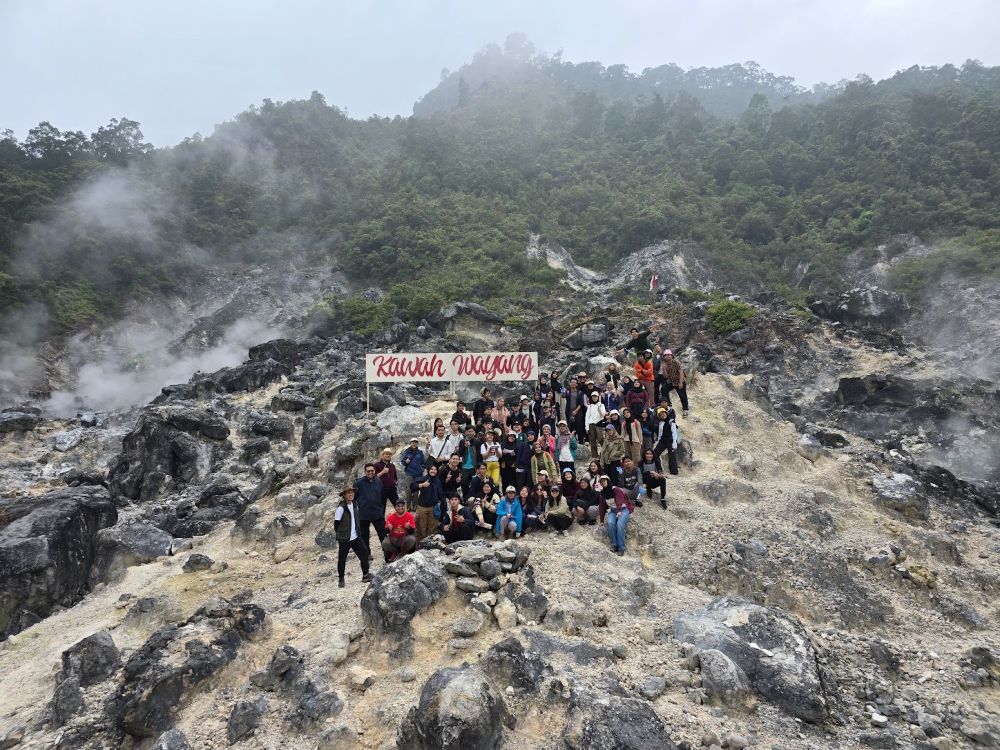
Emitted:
pixel 508 507
pixel 413 462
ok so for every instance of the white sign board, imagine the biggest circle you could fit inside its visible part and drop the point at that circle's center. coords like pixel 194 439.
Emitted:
pixel 449 366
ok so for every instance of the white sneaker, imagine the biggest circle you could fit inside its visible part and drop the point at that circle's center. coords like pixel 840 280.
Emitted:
pixel 684 413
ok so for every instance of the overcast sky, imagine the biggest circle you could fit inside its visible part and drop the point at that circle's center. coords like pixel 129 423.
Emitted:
pixel 181 66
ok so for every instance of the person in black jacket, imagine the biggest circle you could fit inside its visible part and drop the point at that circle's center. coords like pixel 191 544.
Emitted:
pixel 458 523
pixel 370 499
pixel 430 502
pixel 461 415
pixel 346 526
pixel 482 403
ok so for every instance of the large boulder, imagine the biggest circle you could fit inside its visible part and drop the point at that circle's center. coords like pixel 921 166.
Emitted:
pixel 47 552
pixel 18 420
pixel 772 650
pixel 600 722
pixel 404 422
pixel 459 709
pixel 92 659
pixel 402 589
pixel 178 657
pixel 461 314
pixel 271 426
pixel 589 334
pixel 315 429
pixel 251 376
pixel 173 448
pixel 866 305
pixel 118 548
pixel 903 494
pixel 285 351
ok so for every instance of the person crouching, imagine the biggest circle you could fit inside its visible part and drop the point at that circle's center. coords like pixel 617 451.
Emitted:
pixel 459 523
pixel 402 537
pixel 509 515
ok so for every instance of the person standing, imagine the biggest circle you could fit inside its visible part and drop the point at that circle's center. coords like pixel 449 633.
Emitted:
pixel 347 530
pixel 413 466
pixel 371 505
pixel 490 454
pixel 385 470
pixel 612 452
pixel 594 420
pixel 643 368
pixel 438 446
pixel 430 502
pixel 508 459
pixel 672 374
pixel 639 341
pixel 481 404
pixel 631 435
pixel 566 446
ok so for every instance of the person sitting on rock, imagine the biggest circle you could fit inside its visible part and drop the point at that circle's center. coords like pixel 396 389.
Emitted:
pixel 484 506
pixel 587 503
pixel 557 511
pixel 569 486
pixel 475 486
pixel 459 523
pixel 653 477
pixel 593 473
pixel 533 505
pixel 430 502
pixel 509 516
pixel 347 527
pixel 402 537
pixel 616 509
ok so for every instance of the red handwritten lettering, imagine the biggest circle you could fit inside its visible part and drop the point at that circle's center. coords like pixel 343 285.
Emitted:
pixel 403 366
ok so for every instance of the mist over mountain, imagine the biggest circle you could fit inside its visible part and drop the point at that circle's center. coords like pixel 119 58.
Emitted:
pixel 773 185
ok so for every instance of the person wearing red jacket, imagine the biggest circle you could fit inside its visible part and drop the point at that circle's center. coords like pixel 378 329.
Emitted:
pixel 616 506
pixel 643 368
pixel 402 537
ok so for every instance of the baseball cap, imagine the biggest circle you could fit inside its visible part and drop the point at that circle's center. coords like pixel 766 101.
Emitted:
pixel 414 440
pixel 563 421
pixel 510 488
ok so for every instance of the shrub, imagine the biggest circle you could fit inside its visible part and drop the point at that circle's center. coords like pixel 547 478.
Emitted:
pixel 729 315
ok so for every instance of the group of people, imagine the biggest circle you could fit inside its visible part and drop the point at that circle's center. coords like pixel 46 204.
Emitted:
pixel 506 469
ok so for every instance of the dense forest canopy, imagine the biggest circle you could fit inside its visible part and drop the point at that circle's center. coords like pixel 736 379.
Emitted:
pixel 764 176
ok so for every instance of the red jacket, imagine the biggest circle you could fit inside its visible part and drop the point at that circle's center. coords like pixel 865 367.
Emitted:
pixel 622 500
pixel 644 371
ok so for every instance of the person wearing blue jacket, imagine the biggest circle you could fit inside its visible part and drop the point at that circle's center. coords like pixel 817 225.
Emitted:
pixel 413 466
pixel 509 515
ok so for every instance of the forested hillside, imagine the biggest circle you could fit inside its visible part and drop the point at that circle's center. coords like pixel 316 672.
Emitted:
pixel 438 206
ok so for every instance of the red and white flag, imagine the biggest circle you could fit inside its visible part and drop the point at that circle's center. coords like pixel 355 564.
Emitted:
pixel 654 282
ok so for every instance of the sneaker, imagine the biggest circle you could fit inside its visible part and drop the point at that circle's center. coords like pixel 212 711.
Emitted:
pixel 340 583
pixel 621 553
pixel 366 578
pixel 663 504
pixel 684 413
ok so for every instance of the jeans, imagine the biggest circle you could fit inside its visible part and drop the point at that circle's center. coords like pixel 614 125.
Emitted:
pixel 616 528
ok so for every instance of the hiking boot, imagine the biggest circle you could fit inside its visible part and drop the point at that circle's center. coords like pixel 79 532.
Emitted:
pixel 621 553
pixel 340 582
pixel 663 504
pixel 366 578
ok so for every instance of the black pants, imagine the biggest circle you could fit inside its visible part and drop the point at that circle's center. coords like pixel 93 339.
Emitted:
pixel 656 484
pixel 520 479
pixel 461 533
pixel 559 523
pixel 364 532
pixel 682 392
pixel 659 389
pixel 508 478
pixel 360 549
pixel 659 449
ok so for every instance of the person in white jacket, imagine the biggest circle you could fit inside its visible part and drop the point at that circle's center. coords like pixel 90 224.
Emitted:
pixel 594 422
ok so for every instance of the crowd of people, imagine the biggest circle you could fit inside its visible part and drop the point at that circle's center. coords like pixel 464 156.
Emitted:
pixel 505 469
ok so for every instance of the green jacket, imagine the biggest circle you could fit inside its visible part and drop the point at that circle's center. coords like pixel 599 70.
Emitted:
pixel 546 463
pixel 613 449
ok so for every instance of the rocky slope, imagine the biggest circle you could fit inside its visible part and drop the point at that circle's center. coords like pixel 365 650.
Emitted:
pixel 824 575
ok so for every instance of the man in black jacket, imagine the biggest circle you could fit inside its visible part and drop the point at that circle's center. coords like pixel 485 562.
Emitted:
pixel 346 528
pixel 370 500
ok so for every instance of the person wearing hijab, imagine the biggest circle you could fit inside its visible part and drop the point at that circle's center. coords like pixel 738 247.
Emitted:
pixel 558 515
pixel 594 422
pixel 508 459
